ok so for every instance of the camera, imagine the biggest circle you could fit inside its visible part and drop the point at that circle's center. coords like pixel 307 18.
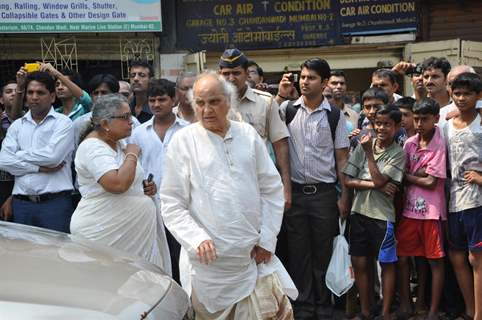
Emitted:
pixel 293 78
pixel 414 70
pixel 32 67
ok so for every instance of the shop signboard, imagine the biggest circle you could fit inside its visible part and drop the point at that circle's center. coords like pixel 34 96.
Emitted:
pixel 257 24
pixel 269 24
pixel 358 17
pixel 77 16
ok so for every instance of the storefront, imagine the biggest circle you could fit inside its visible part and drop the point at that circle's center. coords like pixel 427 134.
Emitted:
pixel 89 36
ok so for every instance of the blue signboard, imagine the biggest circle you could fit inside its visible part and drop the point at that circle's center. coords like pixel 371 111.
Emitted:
pixel 358 17
pixel 267 24
pixel 257 24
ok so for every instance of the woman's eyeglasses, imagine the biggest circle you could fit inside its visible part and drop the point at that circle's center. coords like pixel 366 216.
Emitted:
pixel 125 116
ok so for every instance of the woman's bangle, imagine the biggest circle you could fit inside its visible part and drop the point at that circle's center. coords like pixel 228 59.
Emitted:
pixel 132 154
pixel 284 98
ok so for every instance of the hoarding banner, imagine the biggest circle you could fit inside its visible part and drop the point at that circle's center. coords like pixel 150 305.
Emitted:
pixel 48 16
pixel 265 24
pixel 208 24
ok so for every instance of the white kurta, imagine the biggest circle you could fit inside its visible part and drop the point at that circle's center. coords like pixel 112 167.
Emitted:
pixel 226 190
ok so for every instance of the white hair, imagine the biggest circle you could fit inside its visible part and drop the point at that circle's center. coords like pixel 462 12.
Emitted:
pixel 125 83
pixel 183 75
pixel 228 89
pixel 460 69
pixel 107 106
pixel 104 108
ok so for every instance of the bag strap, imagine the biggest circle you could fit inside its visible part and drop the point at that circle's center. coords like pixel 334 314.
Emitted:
pixel 333 118
pixel 291 111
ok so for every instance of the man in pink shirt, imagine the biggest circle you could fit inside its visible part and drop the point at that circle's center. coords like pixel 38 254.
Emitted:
pixel 419 232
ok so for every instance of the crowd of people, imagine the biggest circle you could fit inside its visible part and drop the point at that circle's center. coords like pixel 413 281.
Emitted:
pixel 238 192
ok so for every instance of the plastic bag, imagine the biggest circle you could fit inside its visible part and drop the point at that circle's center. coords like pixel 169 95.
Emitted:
pixel 339 276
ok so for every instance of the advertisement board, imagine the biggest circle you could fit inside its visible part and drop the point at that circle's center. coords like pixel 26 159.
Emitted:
pixel 377 17
pixel 47 16
pixel 207 24
pixel 266 24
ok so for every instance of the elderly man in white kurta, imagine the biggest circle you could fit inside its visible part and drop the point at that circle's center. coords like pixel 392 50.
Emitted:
pixel 222 198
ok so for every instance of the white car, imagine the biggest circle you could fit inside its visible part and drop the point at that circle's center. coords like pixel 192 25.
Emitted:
pixel 51 275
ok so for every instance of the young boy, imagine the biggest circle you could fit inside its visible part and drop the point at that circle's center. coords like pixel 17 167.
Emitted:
pixel 463 137
pixel 372 100
pixel 405 104
pixel 374 170
pixel 419 233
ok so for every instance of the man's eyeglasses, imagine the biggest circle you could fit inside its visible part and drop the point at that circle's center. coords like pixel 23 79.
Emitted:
pixel 125 116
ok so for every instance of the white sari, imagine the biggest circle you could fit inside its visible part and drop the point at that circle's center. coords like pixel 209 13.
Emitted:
pixel 128 221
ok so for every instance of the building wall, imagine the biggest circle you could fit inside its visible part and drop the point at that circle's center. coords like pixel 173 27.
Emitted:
pixel 451 19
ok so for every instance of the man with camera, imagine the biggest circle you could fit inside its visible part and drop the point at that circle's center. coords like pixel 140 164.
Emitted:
pixel 318 145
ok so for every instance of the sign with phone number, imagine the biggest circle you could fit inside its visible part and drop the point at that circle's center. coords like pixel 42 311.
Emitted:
pixel 47 16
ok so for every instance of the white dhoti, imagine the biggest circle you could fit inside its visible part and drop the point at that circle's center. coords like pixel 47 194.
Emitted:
pixel 227 191
pixel 267 301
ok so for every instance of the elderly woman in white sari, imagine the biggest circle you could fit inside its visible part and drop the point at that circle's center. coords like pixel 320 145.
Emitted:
pixel 116 208
pixel 222 199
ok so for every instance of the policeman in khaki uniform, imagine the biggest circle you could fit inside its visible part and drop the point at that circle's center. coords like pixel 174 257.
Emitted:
pixel 259 109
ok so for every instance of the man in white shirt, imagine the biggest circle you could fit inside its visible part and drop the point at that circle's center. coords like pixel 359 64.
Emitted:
pixel 153 138
pixel 184 83
pixel 435 71
pixel 38 152
pixel 222 198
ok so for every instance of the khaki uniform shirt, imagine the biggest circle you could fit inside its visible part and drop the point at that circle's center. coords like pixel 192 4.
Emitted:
pixel 260 110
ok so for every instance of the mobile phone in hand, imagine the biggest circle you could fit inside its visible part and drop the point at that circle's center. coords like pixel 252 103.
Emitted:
pixel 150 177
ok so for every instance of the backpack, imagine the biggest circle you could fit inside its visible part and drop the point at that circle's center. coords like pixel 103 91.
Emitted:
pixel 333 117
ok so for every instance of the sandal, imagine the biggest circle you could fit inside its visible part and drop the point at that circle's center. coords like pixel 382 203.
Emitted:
pixel 361 316
pixel 420 314
pixel 403 315
pixel 380 317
